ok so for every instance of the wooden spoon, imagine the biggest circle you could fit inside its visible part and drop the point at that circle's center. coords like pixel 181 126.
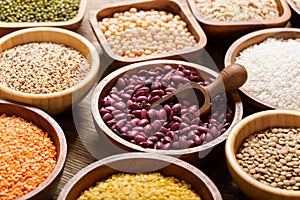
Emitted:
pixel 230 78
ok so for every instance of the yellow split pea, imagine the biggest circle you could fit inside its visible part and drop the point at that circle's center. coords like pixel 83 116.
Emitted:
pixel 140 187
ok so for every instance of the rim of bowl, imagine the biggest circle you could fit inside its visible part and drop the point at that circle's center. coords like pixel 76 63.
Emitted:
pixel 286 14
pixel 63 147
pixel 70 22
pixel 294 6
pixel 108 132
pixel 242 43
pixel 140 155
pixel 231 158
pixel 93 54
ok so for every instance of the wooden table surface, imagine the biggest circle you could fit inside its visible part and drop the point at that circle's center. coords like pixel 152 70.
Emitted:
pixel 85 146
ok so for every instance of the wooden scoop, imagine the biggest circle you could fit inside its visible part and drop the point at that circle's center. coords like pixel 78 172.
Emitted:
pixel 230 78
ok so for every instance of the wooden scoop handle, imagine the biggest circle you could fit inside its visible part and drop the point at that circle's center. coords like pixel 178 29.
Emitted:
pixel 231 78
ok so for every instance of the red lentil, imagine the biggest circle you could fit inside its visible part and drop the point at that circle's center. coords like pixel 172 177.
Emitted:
pixel 27 156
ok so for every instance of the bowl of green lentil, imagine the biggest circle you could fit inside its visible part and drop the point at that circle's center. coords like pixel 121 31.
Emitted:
pixel 33 152
pixel 263 155
pixel 140 176
pixel 49 68
pixel 24 14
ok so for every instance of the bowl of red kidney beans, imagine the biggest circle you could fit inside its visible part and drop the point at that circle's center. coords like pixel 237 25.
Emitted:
pixel 122 112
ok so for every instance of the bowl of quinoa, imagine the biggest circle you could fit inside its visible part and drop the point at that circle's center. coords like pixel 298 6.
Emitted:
pixel 17 15
pixel 133 31
pixel 225 21
pixel 271 57
pixel 295 8
pixel 262 155
pixel 140 176
pixel 33 152
pixel 49 68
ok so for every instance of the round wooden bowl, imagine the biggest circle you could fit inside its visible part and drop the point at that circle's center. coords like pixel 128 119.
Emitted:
pixel 252 39
pixel 139 163
pixel 56 102
pixel 200 155
pixel 295 18
pixel 46 189
pixel 228 31
pixel 252 188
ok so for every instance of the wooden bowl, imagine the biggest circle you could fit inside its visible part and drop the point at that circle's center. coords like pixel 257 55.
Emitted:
pixel 177 7
pixel 140 163
pixel 56 102
pixel 228 31
pixel 72 24
pixel 201 155
pixel 295 18
pixel 252 39
pixel 252 188
pixel 46 189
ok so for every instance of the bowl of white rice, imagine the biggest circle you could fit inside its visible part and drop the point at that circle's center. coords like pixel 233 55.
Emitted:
pixel 272 59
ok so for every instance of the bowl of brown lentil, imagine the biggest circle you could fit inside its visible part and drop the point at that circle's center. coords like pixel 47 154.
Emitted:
pixel 262 154
pixel 271 57
pixel 295 8
pixel 119 110
pixel 133 31
pixel 33 152
pixel 140 176
pixel 49 68
pixel 225 22
pixel 20 14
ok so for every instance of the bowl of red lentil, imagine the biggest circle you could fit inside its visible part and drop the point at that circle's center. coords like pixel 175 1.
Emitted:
pixel 295 8
pixel 262 154
pixel 271 57
pixel 49 68
pixel 119 111
pixel 33 152
pixel 226 21
pixel 17 15
pixel 140 176
pixel 133 31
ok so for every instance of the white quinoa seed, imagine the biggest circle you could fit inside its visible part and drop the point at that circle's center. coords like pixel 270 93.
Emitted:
pixel 42 68
pixel 273 68
pixel 237 10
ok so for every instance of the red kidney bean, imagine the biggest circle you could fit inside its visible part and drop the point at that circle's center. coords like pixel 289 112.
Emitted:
pixel 174 126
pixel 195 121
pixel 195 78
pixel 124 129
pixel 182 142
pixel 175 145
pixel 156 125
pixel 143 122
pixel 167 139
pixel 187 72
pixel 191 135
pixel 185 119
pixel 106 117
pixel 171 134
pixel 103 111
pixel 159 135
pixel 120 83
pixel 176 108
pixel 138 128
pixel 208 138
pixel 162 114
pixel 164 130
pixel 143 113
pixel 115 98
pixel 152 113
pixel 132 133
pixel 158 145
pixel 119 116
pixel 166 146
pixel 184 130
pixel 197 140
pixel 111 122
pixel 202 129
pixel 153 138
pixel 177 119
pixel 134 121
pixel 154 99
pixel 142 98
pixel 167 68
pixel 180 73
pixel 133 141
pixel 139 138
pixel 170 89
pixel 134 106
pixel 136 113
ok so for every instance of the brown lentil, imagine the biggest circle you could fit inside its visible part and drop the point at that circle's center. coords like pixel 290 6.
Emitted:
pixel 42 68
pixel 237 10
pixel 27 156
pixel 285 174
pixel 136 33
pixel 140 186
pixel 169 126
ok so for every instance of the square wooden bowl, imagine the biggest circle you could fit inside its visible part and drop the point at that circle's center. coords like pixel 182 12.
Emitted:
pixel 295 18
pixel 227 31
pixel 177 7
pixel 72 24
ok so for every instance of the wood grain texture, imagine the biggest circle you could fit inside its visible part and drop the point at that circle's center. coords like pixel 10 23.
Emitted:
pixel 49 125
pixel 252 124
pixel 252 39
pixel 72 24
pixel 229 31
